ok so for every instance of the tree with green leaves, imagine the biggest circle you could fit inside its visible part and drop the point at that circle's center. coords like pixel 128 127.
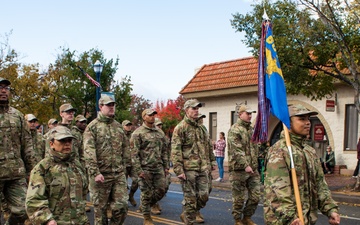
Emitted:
pixel 317 43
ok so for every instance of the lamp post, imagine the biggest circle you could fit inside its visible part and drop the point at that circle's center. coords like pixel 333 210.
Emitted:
pixel 98 67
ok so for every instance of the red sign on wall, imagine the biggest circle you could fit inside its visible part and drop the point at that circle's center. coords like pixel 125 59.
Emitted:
pixel 319 132
pixel 330 106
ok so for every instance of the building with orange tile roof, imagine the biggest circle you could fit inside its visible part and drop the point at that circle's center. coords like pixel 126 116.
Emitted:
pixel 223 86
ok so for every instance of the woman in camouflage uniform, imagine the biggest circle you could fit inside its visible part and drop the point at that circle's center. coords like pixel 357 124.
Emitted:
pixel 57 185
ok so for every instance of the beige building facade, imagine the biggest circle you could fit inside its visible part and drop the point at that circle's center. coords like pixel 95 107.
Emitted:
pixel 214 85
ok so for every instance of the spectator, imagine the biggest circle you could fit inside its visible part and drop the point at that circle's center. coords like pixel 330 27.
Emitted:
pixel 220 146
pixel 329 161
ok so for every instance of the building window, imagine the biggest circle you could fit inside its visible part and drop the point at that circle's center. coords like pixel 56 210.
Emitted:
pixel 351 127
pixel 234 117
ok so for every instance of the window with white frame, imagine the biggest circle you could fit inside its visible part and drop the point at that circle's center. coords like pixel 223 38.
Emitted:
pixel 351 127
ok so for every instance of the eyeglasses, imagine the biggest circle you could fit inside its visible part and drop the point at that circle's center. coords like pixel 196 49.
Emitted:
pixel 32 121
pixel 6 88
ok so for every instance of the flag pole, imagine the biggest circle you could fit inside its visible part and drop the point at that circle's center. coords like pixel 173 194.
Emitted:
pixel 293 175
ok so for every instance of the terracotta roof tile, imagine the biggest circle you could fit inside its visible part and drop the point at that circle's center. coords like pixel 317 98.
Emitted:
pixel 221 75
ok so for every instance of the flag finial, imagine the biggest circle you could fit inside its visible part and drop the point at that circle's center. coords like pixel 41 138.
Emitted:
pixel 265 16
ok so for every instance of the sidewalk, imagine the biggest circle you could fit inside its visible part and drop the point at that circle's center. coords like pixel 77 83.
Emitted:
pixel 340 186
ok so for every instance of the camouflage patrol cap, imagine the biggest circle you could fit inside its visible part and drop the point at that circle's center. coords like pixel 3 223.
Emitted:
pixel 158 122
pixel 52 121
pixel 300 110
pixel 192 103
pixel 66 107
pixel 30 117
pixel 80 118
pixel 4 81
pixel 201 116
pixel 106 99
pixel 148 112
pixel 245 108
pixel 126 122
pixel 60 132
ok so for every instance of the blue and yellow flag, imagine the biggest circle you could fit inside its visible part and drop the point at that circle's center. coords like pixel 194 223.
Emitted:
pixel 274 80
pixel 271 87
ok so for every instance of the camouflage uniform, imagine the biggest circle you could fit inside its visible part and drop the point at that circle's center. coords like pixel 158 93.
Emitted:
pixel 191 153
pixel 129 168
pixel 39 145
pixel 242 153
pixel 16 159
pixel 78 134
pixel 168 147
pixel 279 205
pixel 104 146
pixel 149 155
pixel 57 188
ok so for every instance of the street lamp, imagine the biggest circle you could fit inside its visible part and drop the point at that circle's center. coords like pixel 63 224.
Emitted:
pixel 98 67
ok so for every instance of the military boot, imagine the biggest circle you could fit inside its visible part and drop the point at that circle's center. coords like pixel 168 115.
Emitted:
pixel 199 218
pixel 238 222
pixel 184 219
pixel 158 207
pixel 131 199
pixel 155 210
pixel 148 220
pixel 247 221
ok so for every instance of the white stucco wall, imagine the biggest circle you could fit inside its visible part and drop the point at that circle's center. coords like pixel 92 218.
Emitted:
pixel 333 122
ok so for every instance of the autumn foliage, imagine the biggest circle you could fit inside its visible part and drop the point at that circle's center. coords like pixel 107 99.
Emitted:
pixel 170 113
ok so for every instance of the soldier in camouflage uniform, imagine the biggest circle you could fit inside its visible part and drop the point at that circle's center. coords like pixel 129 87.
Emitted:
pixel 279 205
pixel 104 146
pixel 78 131
pixel 67 113
pixel 16 156
pixel 243 167
pixel 127 126
pixel 150 162
pixel 159 125
pixel 51 124
pixel 37 138
pixel 193 159
pixel 58 185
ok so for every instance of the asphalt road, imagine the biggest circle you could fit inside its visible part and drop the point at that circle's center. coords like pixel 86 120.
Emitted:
pixel 218 210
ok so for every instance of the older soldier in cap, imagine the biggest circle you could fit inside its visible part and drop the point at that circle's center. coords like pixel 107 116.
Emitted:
pixel 280 204
pixel 104 147
pixel 127 126
pixel 243 164
pixel 37 139
pixel 193 159
pixel 57 185
pixel 150 161
pixel 16 156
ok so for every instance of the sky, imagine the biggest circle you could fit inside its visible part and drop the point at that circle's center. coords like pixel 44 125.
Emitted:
pixel 160 43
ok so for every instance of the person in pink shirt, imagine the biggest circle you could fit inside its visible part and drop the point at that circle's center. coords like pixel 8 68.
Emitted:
pixel 220 146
